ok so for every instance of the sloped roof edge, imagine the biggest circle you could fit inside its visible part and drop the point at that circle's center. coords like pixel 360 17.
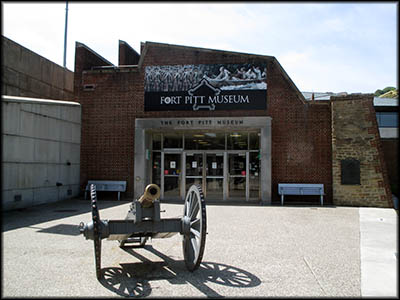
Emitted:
pixel 79 44
pixel 206 49
pixel 148 44
pixel 299 94
pixel 129 46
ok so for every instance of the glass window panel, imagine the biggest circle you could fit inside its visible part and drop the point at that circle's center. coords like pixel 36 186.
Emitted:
pixel 172 140
pixel 205 140
pixel 172 171
pixel 387 119
pixel 215 188
pixel 194 164
pixel 254 140
pixel 156 168
pixel 237 140
pixel 215 165
pixel 237 164
pixel 156 141
pixel 254 179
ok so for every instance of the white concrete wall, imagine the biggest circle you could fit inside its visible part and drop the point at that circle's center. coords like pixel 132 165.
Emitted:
pixel 40 148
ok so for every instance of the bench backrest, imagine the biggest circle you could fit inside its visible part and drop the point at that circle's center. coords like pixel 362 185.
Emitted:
pixel 300 189
pixel 108 185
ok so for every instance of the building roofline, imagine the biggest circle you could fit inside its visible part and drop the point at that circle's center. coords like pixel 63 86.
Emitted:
pixel 129 46
pixel 79 44
pixel 157 44
pixel 298 92
pixel 35 53
pixel 8 98
pixel 148 44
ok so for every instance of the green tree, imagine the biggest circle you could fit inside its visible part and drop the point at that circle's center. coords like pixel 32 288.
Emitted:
pixel 379 92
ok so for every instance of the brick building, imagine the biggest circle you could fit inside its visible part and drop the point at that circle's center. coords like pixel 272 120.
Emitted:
pixel 233 122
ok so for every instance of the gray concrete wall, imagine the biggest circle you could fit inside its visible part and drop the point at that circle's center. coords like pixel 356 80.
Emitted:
pixel 27 74
pixel 40 148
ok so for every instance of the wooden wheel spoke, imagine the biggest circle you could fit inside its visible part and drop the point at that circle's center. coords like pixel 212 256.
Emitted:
pixel 194 210
pixel 195 232
pixel 195 247
pixel 195 223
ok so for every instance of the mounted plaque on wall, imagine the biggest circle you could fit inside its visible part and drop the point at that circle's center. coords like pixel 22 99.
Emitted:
pixel 350 171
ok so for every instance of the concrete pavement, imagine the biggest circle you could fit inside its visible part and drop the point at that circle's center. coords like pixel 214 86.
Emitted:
pixel 262 251
pixel 379 252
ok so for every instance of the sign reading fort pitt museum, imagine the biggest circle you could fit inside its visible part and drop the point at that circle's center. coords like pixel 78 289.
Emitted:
pixel 205 87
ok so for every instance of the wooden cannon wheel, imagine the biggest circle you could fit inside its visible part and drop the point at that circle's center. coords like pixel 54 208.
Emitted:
pixel 195 227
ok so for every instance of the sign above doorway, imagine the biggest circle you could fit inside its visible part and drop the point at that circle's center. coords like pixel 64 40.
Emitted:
pixel 206 87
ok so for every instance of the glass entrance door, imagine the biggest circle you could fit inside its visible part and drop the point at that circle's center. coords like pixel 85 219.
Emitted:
pixel 172 175
pixel 237 175
pixel 214 176
pixel 254 176
pixel 194 170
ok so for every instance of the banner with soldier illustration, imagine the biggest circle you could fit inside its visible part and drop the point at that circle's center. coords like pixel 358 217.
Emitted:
pixel 207 86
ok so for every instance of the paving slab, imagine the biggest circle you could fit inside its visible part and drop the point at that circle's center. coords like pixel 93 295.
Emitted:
pixel 379 252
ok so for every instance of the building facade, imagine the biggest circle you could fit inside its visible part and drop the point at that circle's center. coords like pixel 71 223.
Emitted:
pixel 40 151
pixel 233 122
pixel 40 130
pixel 387 116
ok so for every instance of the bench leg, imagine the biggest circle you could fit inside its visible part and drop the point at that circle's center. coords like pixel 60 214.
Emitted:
pixel 118 195
pixel 282 199
pixel 85 194
pixel 322 200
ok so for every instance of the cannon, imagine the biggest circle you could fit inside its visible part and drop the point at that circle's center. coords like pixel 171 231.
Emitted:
pixel 143 221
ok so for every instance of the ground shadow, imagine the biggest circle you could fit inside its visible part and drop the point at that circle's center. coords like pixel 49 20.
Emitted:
pixel 37 214
pixel 64 229
pixel 133 280
pixel 123 282
pixel 241 203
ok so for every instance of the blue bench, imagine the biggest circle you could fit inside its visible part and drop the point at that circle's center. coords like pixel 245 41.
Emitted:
pixel 107 186
pixel 301 189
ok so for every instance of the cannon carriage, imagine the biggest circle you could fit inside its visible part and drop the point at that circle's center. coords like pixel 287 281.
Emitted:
pixel 143 221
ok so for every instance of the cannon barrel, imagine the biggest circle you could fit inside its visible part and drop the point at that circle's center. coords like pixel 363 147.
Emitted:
pixel 151 193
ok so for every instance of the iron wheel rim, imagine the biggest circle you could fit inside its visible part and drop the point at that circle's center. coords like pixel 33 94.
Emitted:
pixel 96 230
pixel 193 241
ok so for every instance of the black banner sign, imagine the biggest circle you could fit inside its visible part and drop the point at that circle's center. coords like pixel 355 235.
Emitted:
pixel 206 87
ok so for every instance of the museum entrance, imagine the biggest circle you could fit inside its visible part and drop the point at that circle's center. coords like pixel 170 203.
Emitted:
pixel 225 164
pixel 222 175
pixel 230 157
pixel 206 169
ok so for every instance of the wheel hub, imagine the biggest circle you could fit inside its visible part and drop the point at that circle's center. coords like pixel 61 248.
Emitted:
pixel 185 225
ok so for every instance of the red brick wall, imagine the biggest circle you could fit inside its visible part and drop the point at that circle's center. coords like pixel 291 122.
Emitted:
pixel 301 138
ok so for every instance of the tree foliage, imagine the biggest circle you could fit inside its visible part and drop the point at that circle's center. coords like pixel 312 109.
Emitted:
pixel 379 92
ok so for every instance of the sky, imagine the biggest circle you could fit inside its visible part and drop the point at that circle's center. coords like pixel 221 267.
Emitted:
pixel 323 46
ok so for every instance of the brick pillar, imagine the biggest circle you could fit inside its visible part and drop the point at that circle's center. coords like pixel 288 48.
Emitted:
pixel 355 136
